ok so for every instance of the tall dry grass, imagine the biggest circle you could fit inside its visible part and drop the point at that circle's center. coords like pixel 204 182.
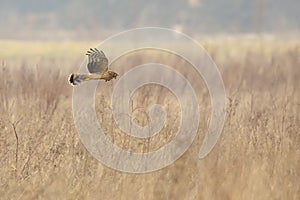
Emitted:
pixel 257 156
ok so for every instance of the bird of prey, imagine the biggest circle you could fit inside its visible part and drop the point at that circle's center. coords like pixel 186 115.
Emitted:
pixel 97 66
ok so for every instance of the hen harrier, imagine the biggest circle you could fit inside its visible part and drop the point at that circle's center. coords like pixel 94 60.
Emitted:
pixel 97 66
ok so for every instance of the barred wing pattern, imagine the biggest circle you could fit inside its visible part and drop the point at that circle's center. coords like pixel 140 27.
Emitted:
pixel 97 61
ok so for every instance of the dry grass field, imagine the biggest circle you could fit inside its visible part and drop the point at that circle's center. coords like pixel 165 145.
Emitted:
pixel 256 157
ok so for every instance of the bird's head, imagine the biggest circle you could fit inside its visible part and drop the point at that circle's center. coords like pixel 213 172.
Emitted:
pixel 114 74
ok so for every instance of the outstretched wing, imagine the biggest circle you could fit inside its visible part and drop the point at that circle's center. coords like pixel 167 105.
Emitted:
pixel 97 61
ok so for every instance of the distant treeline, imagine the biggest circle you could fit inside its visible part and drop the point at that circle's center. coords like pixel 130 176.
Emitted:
pixel 207 16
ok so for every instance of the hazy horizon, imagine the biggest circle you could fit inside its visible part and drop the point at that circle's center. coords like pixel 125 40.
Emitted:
pixel 88 20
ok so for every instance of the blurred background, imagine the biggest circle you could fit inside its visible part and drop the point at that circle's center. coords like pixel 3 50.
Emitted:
pixel 97 19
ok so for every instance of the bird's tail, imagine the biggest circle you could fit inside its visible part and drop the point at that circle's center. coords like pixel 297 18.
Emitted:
pixel 76 79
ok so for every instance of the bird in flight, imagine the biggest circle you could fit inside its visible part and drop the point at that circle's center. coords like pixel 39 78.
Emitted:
pixel 97 66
